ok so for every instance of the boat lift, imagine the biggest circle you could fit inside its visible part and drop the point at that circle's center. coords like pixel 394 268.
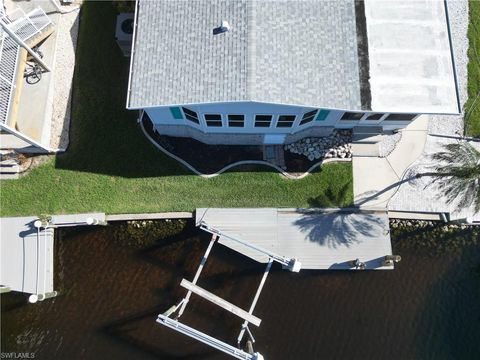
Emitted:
pixel 292 264
pixel 248 317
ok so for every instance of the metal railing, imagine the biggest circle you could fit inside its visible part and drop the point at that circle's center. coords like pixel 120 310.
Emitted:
pixel 9 51
pixel 206 339
pixel 25 26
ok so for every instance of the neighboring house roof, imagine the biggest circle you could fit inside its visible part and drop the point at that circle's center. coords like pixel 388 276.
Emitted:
pixel 303 52
pixel 410 56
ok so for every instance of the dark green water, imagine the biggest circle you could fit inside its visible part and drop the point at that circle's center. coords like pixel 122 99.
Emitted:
pixel 427 308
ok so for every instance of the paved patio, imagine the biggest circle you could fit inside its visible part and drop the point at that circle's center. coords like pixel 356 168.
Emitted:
pixel 376 179
pixel 36 99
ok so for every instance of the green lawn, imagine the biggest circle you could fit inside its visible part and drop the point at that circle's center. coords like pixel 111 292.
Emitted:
pixel 472 107
pixel 111 167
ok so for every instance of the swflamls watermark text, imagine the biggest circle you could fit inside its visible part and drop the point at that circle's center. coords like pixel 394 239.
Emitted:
pixel 17 355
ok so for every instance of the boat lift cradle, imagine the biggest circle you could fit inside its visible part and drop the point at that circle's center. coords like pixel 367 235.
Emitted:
pixel 164 319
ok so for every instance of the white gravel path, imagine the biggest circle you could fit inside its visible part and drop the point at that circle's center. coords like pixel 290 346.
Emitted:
pixel 458 15
pixel 67 29
pixel 413 195
pixel 388 144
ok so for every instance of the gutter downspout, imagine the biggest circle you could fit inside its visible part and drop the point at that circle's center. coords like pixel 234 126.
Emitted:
pixel 132 54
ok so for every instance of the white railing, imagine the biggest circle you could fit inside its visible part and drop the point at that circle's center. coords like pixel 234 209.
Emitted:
pixel 8 68
pixel 25 26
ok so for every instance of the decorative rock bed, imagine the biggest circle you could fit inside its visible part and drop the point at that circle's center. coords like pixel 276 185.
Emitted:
pixel 336 145
pixel 432 237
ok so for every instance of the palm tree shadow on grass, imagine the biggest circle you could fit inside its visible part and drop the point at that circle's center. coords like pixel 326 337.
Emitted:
pixel 330 198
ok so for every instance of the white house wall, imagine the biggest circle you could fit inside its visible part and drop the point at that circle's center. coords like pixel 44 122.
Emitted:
pixel 248 109
pixel 163 116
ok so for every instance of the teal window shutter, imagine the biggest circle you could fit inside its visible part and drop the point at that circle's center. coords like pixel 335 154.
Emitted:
pixel 176 113
pixel 322 115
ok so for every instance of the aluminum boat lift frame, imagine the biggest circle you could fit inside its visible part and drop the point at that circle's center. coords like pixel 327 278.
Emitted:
pixel 173 323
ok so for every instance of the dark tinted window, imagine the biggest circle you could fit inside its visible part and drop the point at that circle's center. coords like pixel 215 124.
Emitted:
pixel 285 120
pixel 400 117
pixel 191 115
pixel 214 120
pixel 374 116
pixel 352 116
pixel 263 120
pixel 308 117
pixel 236 120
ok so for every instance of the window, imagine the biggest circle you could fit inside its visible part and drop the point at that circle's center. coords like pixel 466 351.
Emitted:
pixel 213 120
pixel 191 115
pixel 374 117
pixel 352 116
pixel 236 120
pixel 322 115
pixel 263 120
pixel 176 113
pixel 308 117
pixel 400 117
pixel 285 121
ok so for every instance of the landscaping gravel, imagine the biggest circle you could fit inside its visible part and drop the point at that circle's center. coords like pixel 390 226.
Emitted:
pixel 458 15
pixel 388 143
pixel 67 30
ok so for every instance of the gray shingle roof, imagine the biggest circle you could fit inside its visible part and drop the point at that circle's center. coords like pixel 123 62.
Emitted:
pixel 285 51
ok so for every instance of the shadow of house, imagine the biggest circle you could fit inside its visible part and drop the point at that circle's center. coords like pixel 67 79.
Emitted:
pixel 340 229
pixel 105 137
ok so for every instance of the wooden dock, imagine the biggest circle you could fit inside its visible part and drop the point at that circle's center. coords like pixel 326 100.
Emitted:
pixel 319 239
pixel 27 251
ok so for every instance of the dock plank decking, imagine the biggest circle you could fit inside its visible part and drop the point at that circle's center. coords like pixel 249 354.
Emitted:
pixel 319 239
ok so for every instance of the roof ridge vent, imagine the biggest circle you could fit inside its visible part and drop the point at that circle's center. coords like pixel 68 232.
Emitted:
pixel 222 28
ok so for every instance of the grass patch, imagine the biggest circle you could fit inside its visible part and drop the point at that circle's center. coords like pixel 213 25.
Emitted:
pixel 472 106
pixel 111 167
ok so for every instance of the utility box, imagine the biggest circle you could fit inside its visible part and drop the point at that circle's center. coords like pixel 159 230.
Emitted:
pixel 124 32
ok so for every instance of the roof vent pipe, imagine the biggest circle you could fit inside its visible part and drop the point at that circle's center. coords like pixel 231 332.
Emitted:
pixel 222 28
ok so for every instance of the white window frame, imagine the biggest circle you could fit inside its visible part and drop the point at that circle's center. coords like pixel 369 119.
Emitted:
pixel 190 122
pixel 311 122
pixel 214 127
pixel 293 122
pixel 235 127
pixel 373 122
pixel 272 119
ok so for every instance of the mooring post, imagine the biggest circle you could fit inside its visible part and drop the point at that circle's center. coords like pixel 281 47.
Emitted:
pixel 40 297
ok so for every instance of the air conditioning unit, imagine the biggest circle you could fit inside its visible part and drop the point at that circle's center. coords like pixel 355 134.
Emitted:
pixel 124 32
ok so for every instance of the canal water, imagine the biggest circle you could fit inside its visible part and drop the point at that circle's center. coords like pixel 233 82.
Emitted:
pixel 112 291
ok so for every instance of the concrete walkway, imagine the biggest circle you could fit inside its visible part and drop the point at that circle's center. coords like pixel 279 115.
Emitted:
pixel 376 179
